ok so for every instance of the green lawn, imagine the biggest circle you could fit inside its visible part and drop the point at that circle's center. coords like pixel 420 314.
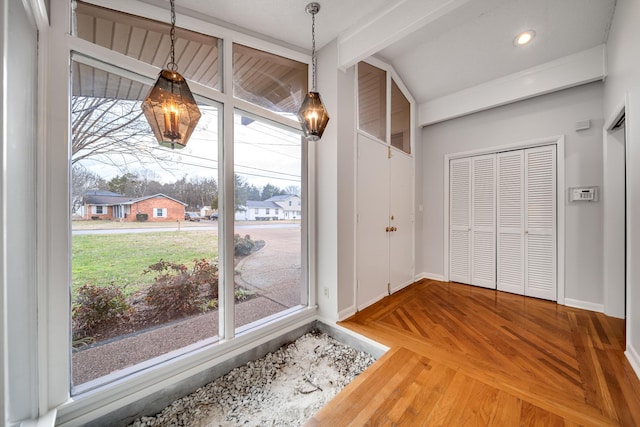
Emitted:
pixel 121 258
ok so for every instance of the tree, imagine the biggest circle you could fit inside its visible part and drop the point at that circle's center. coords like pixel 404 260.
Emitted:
pixel 270 190
pixel 205 189
pixel 241 191
pixel 83 180
pixel 109 130
pixel 254 193
pixel 293 190
pixel 127 184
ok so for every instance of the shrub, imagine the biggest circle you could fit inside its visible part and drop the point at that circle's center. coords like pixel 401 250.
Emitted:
pixel 97 307
pixel 142 217
pixel 176 291
pixel 206 273
pixel 242 294
pixel 172 294
pixel 243 246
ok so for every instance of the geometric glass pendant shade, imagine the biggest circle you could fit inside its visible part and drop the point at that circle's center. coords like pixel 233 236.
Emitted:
pixel 313 116
pixel 171 110
pixel 169 107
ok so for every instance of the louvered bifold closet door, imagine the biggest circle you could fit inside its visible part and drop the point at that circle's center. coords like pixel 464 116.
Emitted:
pixel 540 222
pixel 483 221
pixel 460 220
pixel 510 217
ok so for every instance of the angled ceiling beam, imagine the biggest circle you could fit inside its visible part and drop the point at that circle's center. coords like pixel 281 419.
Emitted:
pixel 572 70
pixel 402 19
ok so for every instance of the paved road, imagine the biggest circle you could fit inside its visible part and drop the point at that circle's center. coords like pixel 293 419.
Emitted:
pixel 175 228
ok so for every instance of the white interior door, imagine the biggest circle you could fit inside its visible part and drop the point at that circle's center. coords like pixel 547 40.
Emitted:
pixel 510 218
pixel 460 220
pixel 540 223
pixel 373 220
pixel 483 221
pixel 401 253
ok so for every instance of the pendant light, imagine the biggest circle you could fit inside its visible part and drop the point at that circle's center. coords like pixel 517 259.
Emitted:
pixel 170 107
pixel 312 115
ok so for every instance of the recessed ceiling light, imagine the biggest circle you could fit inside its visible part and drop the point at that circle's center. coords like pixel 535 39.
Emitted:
pixel 524 38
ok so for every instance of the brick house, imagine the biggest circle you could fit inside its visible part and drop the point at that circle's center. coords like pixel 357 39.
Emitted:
pixel 101 204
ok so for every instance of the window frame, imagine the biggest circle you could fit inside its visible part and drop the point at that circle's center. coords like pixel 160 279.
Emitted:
pixel 162 211
pixel 54 274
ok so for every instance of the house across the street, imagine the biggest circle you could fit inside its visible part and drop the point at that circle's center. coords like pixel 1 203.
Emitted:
pixel 287 206
pixel 100 204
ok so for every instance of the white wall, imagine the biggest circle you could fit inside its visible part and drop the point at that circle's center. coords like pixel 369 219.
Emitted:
pixel 346 192
pixel 327 188
pixel 623 62
pixel 19 211
pixel 540 117
pixel 335 183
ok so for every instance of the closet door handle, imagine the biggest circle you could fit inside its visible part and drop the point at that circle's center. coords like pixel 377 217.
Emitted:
pixel 387 229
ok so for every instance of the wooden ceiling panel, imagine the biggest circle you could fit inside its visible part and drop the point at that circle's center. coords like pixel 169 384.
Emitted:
pixel 268 80
pixel 147 40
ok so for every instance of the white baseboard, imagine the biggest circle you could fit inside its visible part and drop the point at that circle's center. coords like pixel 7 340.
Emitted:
pixel 376 349
pixel 404 285
pixel 347 312
pixel 585 305
pixel 633 358
pixel 431 276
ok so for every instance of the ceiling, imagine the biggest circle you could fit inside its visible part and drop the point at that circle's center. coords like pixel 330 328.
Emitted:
pixel 469 43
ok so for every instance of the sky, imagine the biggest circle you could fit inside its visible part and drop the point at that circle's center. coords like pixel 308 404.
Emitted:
pixel 263 154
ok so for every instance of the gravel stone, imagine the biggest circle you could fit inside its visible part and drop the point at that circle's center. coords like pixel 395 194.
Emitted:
pixel 283 388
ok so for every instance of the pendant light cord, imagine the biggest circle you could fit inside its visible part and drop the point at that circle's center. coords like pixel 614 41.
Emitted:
pixel 313 49
pixel 172 64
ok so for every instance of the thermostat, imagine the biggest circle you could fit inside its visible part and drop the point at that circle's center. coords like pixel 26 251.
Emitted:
pixel 584 194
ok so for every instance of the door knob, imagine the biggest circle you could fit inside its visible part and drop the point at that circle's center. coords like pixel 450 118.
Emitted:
pixel 387 229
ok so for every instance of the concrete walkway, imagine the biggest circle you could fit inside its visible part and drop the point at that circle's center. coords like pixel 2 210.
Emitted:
pixel 274 272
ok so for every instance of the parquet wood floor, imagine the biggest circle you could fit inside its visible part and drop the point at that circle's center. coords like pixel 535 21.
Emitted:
pixel 462 355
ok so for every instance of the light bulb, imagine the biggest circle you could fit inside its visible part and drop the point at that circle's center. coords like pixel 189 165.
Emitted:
pixel 524 38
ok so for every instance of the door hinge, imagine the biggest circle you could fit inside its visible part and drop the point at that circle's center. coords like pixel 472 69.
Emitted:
pixel 389 288
pixel 388 152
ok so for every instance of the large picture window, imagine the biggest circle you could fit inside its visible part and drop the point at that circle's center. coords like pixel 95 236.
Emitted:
pixel 135 273
pixel 148 235
pixel 268 161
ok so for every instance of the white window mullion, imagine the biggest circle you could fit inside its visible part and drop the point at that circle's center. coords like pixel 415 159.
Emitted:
pixel 226 328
